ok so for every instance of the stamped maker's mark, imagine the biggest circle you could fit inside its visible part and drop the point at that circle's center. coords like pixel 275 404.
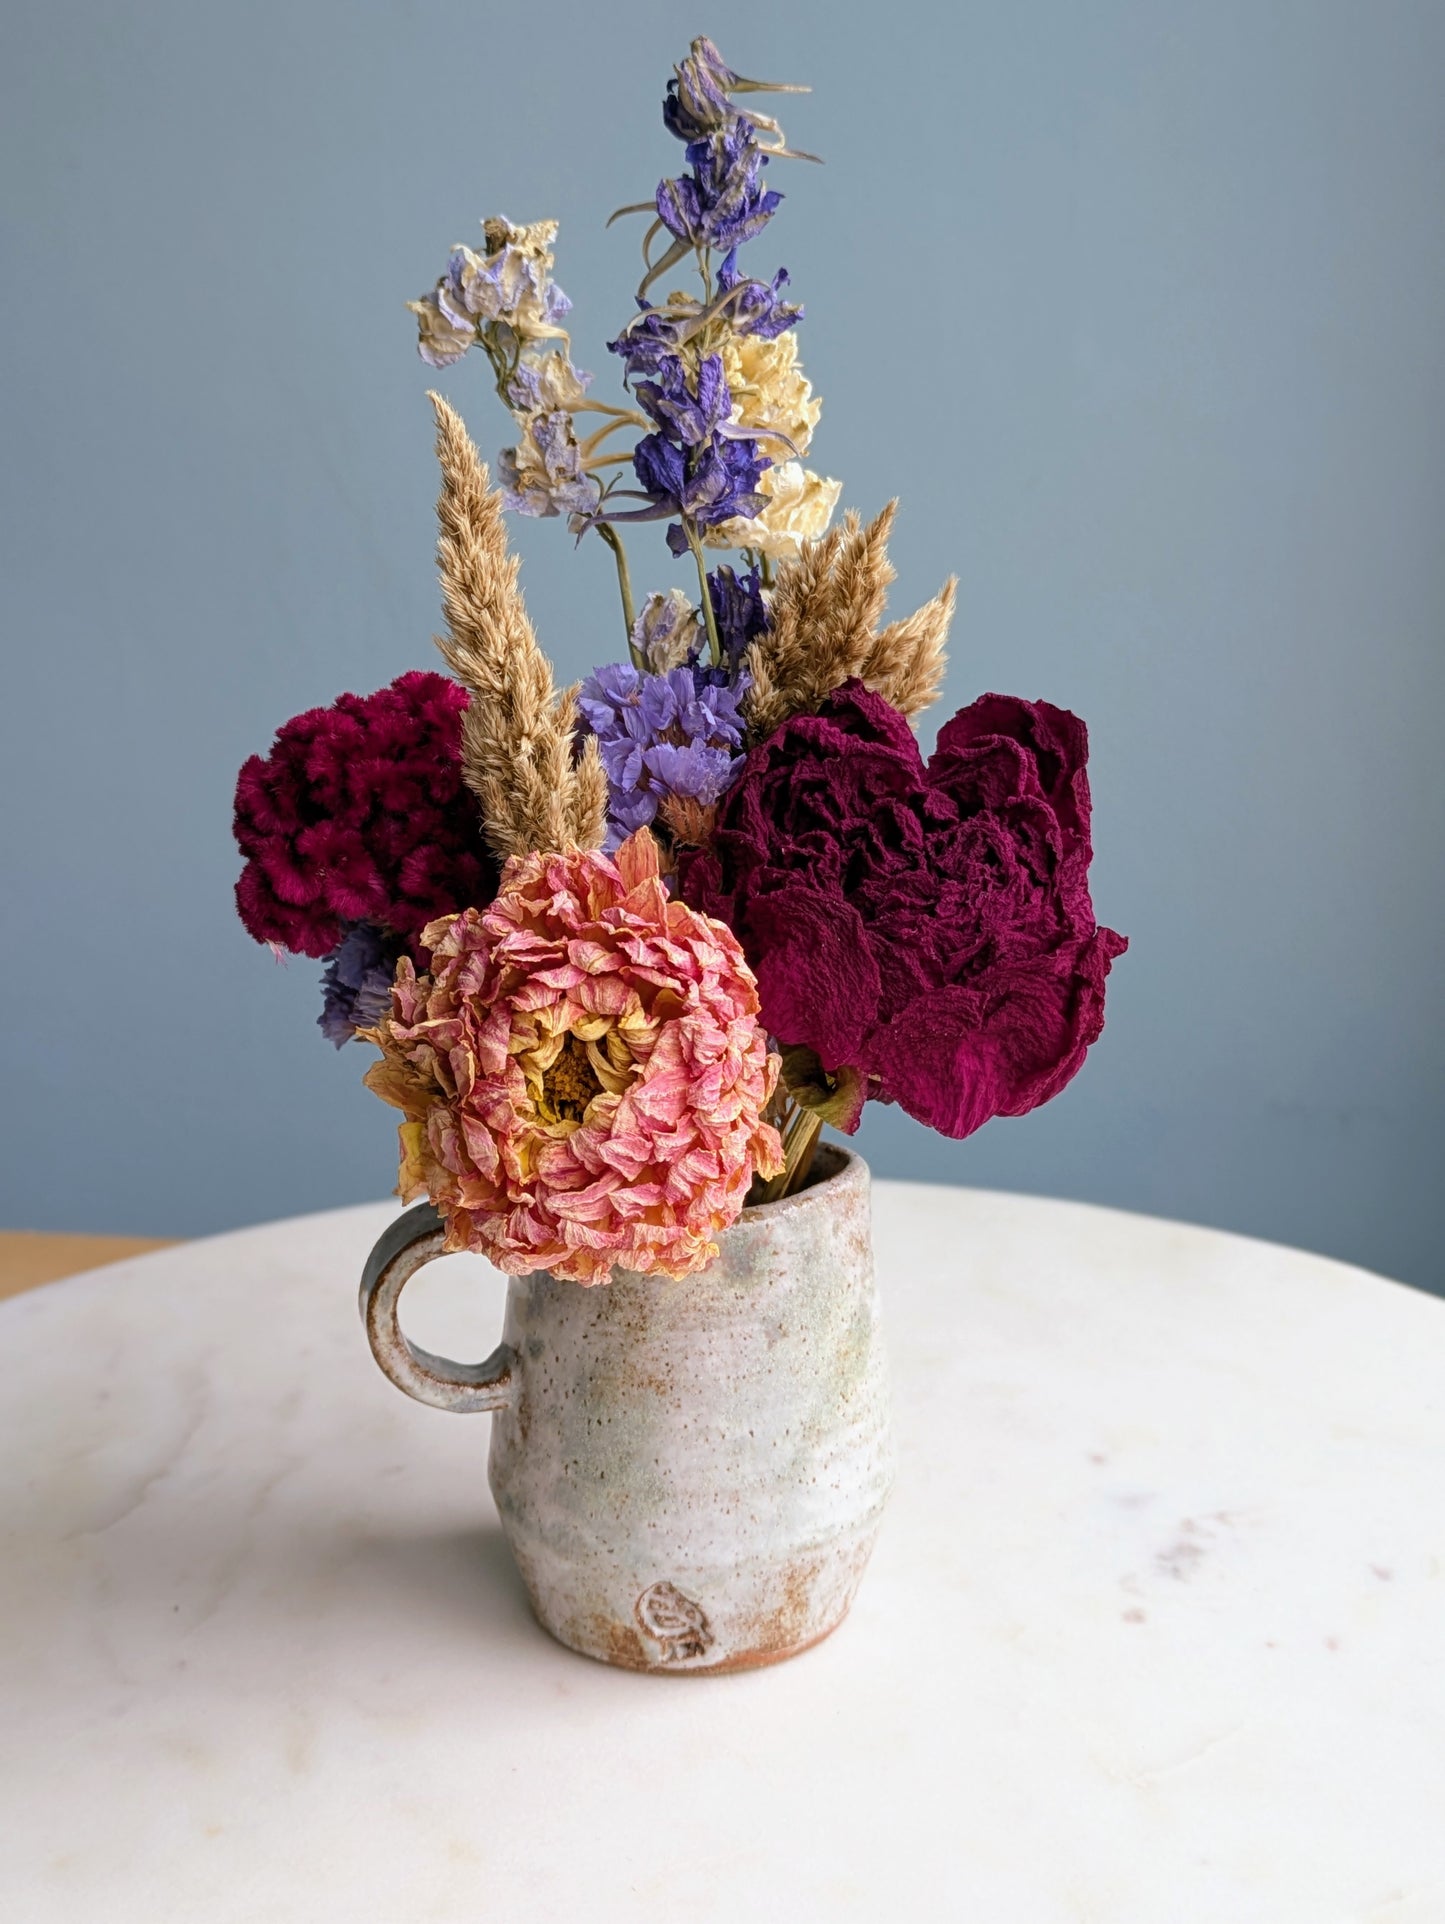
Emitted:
pixel 674 1621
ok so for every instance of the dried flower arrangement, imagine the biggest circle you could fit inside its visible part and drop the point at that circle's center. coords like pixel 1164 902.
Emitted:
pixel 624 948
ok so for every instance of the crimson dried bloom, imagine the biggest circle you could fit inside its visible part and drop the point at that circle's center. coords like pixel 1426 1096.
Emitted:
pixel 928 926
pixel 359 814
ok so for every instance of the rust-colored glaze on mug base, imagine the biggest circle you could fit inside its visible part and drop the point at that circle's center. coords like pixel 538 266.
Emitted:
pixel 622 1650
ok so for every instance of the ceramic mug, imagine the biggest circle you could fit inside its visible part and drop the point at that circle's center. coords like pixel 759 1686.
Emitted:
pixel 690 1474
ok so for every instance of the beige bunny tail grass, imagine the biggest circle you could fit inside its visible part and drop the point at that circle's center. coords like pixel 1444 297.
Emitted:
pixel 825 607
pixel 907 661
pixel 517 748
pixel 587 803
pixel 859 593
pixel 779 660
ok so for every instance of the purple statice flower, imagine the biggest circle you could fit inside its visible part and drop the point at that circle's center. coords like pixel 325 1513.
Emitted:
pixel 356 984
pixel 722 202
pixel 675 734
pixel 739 610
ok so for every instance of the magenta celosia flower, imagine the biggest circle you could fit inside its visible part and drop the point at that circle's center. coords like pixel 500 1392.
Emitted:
pixel 359 814
pixel 928 927
pixel 583 1072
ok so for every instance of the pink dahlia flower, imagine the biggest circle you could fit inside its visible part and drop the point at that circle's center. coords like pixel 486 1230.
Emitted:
pixel 583 1073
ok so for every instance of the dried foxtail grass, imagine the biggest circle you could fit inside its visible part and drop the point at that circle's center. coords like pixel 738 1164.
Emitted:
pixel 517 734
pixel 908 659
pixel 825 610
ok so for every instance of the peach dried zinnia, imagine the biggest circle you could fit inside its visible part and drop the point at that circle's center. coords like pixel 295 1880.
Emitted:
pixel 583 1072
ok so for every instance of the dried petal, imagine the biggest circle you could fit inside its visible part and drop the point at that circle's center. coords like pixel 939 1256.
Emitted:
pixel 581 1119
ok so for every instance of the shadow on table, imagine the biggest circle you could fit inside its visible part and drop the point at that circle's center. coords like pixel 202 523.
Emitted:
pixel 442 1580
pixel 218 1591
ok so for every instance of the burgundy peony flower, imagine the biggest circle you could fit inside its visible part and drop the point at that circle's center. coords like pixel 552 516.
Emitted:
pixel 926 928
pixel 359 814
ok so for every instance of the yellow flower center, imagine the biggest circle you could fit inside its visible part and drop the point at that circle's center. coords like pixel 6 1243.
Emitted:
pixel 570 1084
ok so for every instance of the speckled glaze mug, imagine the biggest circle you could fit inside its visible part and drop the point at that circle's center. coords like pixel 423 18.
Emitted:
pixel 690 1474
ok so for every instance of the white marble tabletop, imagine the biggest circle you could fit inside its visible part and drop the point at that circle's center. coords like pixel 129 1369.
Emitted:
pixel 1155 1633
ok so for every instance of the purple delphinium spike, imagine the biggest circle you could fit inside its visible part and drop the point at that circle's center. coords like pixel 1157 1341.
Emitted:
pixel 697 465
pixel 650 338
pixel 698 97
pixel 754 306
pixel 688 412
pixel 739 611
pixel 656 334
pixel 722 202
pixel 661 471
pixel 722 483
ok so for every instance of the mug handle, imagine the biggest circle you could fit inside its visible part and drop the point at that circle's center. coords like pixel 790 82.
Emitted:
pixel 400 1251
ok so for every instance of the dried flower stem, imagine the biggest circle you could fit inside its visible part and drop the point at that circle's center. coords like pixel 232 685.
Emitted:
pixel 624 586
pixel 799 1129
pixel 709 616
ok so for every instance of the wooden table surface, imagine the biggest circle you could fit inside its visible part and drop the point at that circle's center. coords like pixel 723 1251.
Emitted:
pixel 32 1256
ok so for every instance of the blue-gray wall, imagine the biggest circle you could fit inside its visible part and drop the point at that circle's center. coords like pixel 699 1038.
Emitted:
pixel 1137 307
